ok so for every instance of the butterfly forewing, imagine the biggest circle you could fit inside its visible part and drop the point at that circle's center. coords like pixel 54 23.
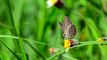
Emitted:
pixel 67 22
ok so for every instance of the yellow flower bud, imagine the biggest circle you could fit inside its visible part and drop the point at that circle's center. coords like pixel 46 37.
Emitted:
pixel 100 40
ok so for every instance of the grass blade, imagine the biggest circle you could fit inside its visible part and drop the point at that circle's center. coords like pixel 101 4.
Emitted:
pixel 11 51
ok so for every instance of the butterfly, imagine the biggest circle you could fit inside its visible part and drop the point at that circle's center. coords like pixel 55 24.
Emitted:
pixel 69 30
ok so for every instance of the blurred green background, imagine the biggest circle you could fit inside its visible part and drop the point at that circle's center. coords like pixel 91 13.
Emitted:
pixel 28 29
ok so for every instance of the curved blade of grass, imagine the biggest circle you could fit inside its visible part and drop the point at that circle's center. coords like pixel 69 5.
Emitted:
pixel 39 54
pixel 15 18
pixel 93 27
pixel 69 57
pixel 80 45
pixel 27 41
pixel 7 36
pixel 18 57
pixel 56 55
pixel 97 35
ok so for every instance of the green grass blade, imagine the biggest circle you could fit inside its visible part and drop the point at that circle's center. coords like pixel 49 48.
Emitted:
pixel 14 37
pixel 39 54
pixel 80 45
pixel 18 57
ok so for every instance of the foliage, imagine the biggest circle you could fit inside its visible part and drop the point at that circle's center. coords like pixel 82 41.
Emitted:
pixel 28 29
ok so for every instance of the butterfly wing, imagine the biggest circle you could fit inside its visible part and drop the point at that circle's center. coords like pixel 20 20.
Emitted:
pixel 71 31
pixel 67 22
pixel 69 28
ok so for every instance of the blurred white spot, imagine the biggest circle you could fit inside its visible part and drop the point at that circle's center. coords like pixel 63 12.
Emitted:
pixel 51 3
